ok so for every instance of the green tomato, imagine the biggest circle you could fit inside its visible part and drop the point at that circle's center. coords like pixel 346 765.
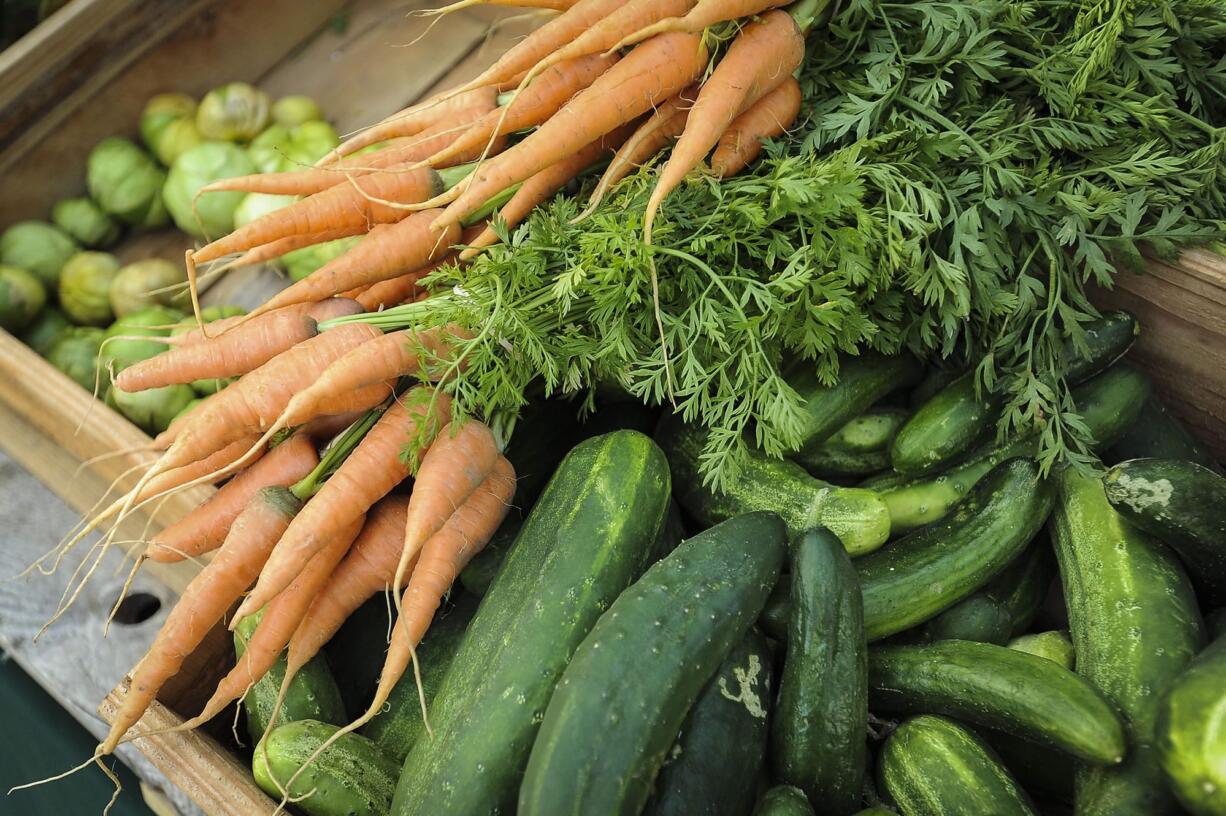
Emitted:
pixel 45 330
pixel 302 262
pixel 178 137
pixel 85 222
pixel 85 286
pixel 37 247
pixel 205 163
pixel 173 104
pixel 211 313
pixel 22 297
pixel 154 408
pixel 294 110
pixel 153 321
pixel 125 182
pixel 76 354
pixel 310 142
pixel 206 388
pixel 255 205
pixel 269 149
pixel 233 113
pixel 141 284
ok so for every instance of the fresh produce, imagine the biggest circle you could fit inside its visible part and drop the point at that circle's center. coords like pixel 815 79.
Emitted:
pixel 859 448
pixel 160 112
pixel 146 283
pixel 1158 435
pixel 255 205
pixel 1190 743
pixel 1006 605
pixel 302 262
pixel 1055 646
pixel 1183 505
pixel 154 409
pixel 85 286
pixel 784 800
pixel 675 625
pixel 818 736
pixel 722 741
pixel 22 298
pixel 233 113
pixel 1135 626
pixel 85 223
pixel 38 248
pixel 932 767
pixel 75 352
pixel 294 110
pixel 126 183
pixel 45 329
pixel 210 214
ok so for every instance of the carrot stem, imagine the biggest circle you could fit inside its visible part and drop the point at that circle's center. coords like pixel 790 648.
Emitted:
pixel 807 13
pixel 336 454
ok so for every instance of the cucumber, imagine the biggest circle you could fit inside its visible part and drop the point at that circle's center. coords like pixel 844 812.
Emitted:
pixel 399 725
pixel 933 767
pixel 1043 771
pixel 352 778
pixel 1183 505
pixel 858 517
pixel 1005 606
pixel 774 617
pixel 355 653
pixel 555 420
pixel 934 380
pixel 863 380
pixel 641 667
pixel 1054 645
pixel 913 579
pixel 1157 434
pixel 312 694
pixel 480 571
pixel 1191 741
pixel 875 810
pixel 1135 626
pixel 820 727
pixel 1108 405
pixel 784 800
pixel 996 687
pixel 722 743
pixel 949 423
pixel 860 447
pixel 588 537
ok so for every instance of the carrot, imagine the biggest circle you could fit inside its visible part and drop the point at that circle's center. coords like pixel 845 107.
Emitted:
pixel 402 289
pixel 415 119
pixel 705 13
pixel 204 529
pixel 275 249
pixel 761 58
pixel 205 466
pixel 541 186
pixel 770 116
pixel 359 203
pixel 204 602
pixel 328 426
pixel 280 620
pixel 648 75
pixel 548 5
pixel 370 472
pixel 323 310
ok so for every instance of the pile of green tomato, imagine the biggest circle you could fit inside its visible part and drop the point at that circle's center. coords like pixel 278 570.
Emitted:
pixel 64 295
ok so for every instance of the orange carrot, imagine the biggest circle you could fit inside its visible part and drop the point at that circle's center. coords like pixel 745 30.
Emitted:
pixel 326 427
pixel 770 116
pixel 323 310
pixel 644 78
pixel 358 203
pixel 402 289
pixel 204 529
pixel 275 249
pixel 761 58
pixel 205 466
pixel 415 119
pixel 371 471
pixel 705 14
pixel 204 602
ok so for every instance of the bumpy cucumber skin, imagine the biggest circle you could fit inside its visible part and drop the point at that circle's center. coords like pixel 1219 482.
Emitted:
pixel 312 694
pixel 1191 739
pixel 1183 505
pixel 1135 626
pixel 820 718
pixel 932 767
pixel 480 571
pixel 399 725
pixel 1158 435
pixel 858 517
pixel 1054 645
pixel 784 800
pixel 862 381
pixel 860 447
pixel 641 667
pixel 722 744
pixel 588 537
pixel 913 579
pixel 1001 688
pixel 352 778
pixel 1006 605
pixel 943 428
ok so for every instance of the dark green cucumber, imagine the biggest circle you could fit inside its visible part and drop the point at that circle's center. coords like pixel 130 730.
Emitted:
pixel 722 743
pixel 641 667
pixel 820 718
pixel 784 800
pixel 1108 404
pixel 858 517
pixel 356 652
pixel 351 778
pixel 1215 623
pixel 1001 688
pixel 863 380
pixel 590 534
pixel 875 810
pixel 774 617
pixel 554 420
pixel 931 766
pixel 312 693
pixel 1135 626
pixel 948 424
pixel 481 570
pixel 860 447
pixel 1054 645
pixel 1191 740
pixel 913 579
pixel 1183 505
pixel 399 725
pixel 1157 434
pixel 1042 770
pixel 1005 606
pixel 934 380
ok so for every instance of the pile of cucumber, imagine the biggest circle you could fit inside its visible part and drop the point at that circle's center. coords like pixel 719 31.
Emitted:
pixel 905 617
